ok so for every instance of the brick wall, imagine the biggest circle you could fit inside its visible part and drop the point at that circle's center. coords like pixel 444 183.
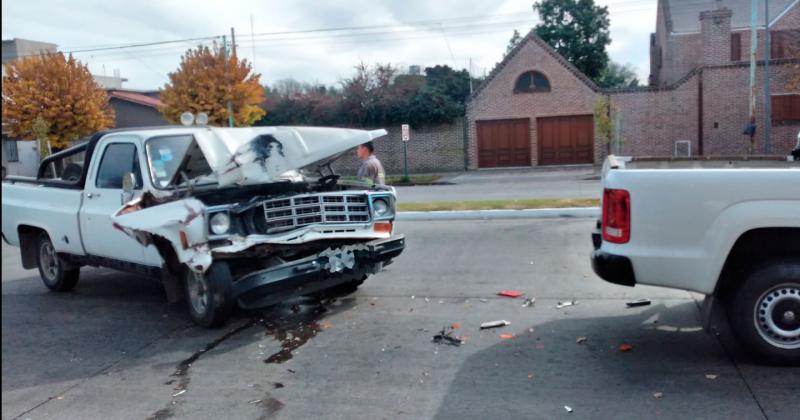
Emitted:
pixel 569 95
pixel 438 148
pixel 653 119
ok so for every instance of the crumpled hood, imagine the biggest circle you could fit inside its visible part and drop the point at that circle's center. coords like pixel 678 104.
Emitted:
pixel 258 155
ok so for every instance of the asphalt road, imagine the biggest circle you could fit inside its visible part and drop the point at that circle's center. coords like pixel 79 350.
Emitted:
pixel 114 349
pixel 580 182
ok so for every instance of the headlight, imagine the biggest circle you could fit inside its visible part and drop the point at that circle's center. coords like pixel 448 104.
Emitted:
pixel 380 207
pixel 220 223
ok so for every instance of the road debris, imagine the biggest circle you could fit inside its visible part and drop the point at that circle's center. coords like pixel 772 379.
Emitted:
pixel 510 293
pixel 506 336
pixel 456 325
pixel 711 376
pixel 625 348
pixel 580 340
pixel 179 393
pixel 483 300
pixel 528 302
pixel 445 336
pixel 494 324
pixel 639 302
pixel 560 305
pixel 658 395
pixel 568 408
pixel 255 401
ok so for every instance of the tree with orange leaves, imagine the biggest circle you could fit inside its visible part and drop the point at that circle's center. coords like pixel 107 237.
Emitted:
pixel 59 93
pixel 204 83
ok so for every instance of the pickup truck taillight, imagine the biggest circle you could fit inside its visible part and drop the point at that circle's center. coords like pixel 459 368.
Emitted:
pixel 616 216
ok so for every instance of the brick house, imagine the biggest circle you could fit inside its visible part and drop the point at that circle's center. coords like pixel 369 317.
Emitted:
pixel 537 109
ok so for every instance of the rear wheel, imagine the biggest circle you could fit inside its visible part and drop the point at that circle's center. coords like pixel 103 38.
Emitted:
pixel 208 295
pixel 52 268
pixel 765 313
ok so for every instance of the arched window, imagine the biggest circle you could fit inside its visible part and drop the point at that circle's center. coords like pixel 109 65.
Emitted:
pixel 532 81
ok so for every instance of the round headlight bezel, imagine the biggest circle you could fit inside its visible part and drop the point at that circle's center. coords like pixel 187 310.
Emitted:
pixel 381 207
pixel 219 223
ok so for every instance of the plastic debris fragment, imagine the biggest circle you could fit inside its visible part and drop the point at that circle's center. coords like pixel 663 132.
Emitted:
pixel 494 324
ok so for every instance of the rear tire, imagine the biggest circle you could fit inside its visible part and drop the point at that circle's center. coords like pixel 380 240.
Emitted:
pixel 765 313
pixel 209 295
pixel 52 267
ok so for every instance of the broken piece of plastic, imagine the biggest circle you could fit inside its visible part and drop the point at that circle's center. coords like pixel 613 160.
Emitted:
pixel 445 336
pixel 568 408
pixel 528 302
pixel 510 293
pixel 494 324
pixel 640 302
pixel 560 305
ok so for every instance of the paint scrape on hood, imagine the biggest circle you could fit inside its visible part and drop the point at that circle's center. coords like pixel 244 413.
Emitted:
pixel 257 155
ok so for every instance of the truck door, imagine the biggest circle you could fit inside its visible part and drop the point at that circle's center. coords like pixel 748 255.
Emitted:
pixel 103 196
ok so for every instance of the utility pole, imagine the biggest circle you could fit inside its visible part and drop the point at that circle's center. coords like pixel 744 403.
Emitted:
pixel 751 127
pixel 227 79
pixel 470 76
pixel 253 41
pixel 767 99
pixel 233 42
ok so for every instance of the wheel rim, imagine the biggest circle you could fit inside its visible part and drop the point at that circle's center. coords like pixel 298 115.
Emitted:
pixel 777 316
pixel 198 292
pixel 48 260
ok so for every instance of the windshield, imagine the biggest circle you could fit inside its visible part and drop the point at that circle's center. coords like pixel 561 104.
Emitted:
pixel 176 160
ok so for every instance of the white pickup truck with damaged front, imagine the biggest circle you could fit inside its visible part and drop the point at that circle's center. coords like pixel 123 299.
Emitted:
pixel 726 229
pixel 223 216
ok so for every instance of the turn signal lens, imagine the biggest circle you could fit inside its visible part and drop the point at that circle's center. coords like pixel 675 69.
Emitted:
pixel 184 240
pixel 383 227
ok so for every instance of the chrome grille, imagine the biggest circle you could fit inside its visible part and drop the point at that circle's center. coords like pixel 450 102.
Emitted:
pixel 302 210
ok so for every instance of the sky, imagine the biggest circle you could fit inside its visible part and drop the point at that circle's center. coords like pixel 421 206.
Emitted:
pixel 408 32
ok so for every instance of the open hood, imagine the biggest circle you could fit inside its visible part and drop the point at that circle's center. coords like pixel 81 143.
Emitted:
pixel 258 155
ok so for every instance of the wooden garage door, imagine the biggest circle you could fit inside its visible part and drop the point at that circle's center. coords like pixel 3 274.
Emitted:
pixel 565 140
pixel 504 143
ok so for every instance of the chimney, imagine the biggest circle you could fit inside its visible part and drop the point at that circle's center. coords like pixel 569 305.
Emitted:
pixel 715 33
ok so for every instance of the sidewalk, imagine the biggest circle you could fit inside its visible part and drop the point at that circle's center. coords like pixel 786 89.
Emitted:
pixel 509 184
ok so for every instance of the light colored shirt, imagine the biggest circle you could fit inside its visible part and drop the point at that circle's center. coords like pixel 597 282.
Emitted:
pixel 371 168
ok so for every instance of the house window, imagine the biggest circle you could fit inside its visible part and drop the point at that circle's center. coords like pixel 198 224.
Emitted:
pixel 12 153
pixel 784 44
pixel 532 81
pixel 736 47
pixel 785 108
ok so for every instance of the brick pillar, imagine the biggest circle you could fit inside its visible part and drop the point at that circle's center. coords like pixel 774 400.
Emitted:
pixel 715 29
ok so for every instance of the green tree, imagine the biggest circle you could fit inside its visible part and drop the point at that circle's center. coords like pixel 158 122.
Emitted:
pixel 513 42
pixel 578 30
pixel 616 75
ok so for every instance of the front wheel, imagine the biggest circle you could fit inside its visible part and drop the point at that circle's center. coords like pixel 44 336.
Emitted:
pixel 52 268
pixel 209 296
pixel 765 313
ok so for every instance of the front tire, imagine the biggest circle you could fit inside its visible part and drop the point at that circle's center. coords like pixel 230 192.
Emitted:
pixel 209 295
pixel 765 313
pixel 52 268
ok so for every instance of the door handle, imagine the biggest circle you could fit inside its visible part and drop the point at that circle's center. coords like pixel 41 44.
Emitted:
pixel 92 195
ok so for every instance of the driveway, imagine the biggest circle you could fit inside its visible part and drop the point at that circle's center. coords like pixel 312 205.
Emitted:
pixel 114 349
pixel 513 184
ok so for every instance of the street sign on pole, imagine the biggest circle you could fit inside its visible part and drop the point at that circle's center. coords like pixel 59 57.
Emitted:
pixel 406 136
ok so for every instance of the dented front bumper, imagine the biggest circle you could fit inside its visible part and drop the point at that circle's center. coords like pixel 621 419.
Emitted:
pixel 326 269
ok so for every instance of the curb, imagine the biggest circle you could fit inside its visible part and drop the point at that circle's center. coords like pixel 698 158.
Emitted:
pixel 499 214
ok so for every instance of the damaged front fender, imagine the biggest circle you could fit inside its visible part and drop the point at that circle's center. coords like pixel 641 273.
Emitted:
pixel 180 222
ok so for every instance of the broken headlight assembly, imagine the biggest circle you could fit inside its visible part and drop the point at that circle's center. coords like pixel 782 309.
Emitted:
pixel 218 221
pixel 382 206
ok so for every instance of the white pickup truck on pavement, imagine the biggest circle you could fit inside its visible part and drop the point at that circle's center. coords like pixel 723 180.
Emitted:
pixel 729 230
pixel 224 216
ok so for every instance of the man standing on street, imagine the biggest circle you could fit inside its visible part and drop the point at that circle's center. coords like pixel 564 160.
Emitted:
pixel 370 165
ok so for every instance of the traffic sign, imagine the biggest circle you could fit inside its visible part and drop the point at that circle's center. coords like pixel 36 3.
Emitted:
pixel 406 132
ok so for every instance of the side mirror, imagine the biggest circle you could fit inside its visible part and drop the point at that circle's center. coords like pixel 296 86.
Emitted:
pixel 128 182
